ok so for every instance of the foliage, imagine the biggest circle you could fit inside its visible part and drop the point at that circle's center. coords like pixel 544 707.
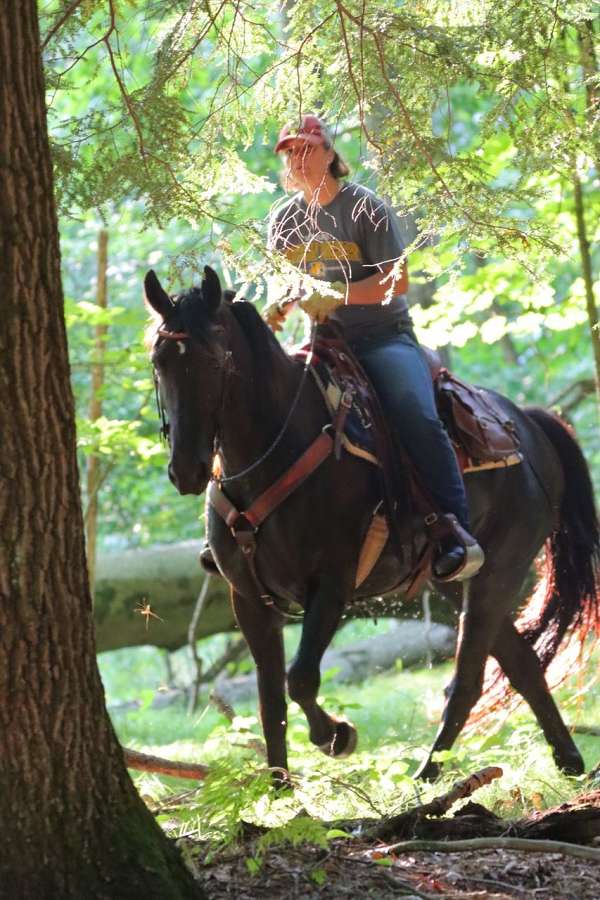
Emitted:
pixel 491 104
pixel 477 126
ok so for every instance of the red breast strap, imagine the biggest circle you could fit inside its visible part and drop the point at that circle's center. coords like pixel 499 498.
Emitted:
pixel 274 495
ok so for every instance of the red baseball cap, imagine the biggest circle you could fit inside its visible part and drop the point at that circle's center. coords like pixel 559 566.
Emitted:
pixel 311 131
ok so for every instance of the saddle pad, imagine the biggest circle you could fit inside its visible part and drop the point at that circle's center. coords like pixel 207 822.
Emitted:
pixel 358 438
pixel 358 432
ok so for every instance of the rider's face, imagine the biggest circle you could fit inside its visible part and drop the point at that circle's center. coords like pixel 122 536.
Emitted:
pixel 307 164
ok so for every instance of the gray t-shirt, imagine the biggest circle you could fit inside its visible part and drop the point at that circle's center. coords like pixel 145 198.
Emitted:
pixel 349 239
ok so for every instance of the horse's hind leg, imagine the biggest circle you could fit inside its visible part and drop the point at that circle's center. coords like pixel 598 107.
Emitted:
pixel 522 667
pixel 479 624
pixel 333 736
pixel 262 630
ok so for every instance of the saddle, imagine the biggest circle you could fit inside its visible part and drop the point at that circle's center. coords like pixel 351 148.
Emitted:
pixel 481 434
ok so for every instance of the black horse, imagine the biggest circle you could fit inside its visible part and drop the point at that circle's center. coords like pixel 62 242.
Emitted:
pixel 227 386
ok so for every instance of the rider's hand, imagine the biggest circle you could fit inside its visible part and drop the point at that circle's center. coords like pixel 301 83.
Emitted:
pixel 319 306
pixel 274 316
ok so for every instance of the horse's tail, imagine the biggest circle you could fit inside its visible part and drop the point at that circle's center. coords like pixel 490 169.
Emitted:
pixel 570 601
pixel 567 599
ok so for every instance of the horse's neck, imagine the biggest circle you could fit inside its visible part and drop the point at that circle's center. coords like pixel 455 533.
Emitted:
pixel 254 414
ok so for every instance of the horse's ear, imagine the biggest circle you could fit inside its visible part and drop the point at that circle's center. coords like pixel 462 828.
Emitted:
pixel 211 288
pixel 156 296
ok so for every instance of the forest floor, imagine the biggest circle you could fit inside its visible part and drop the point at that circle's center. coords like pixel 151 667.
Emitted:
pixel 359 864
pixel 296 845
pixel 353 871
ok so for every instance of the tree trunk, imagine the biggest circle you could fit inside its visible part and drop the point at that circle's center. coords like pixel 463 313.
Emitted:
pixel 72 823
pixel 93 473
pixel 588 278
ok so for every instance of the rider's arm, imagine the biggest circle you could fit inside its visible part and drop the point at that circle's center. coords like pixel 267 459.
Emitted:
pixel 375 288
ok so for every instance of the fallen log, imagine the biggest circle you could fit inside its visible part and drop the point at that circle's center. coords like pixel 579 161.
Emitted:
pixel 574 822
pixel 408 642
pixel 168 578
pixel 407 822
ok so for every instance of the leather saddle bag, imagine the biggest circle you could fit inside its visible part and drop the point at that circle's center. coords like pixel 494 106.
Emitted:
pixel 474 420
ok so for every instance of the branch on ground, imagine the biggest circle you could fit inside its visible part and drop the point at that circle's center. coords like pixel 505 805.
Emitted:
pixel 407 821
pixel 499 843
pixel 146 763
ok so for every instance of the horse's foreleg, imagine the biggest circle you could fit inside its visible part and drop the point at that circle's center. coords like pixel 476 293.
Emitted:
pixel 262 629
pixel 478 628
pixel 522 667
pixel 333 736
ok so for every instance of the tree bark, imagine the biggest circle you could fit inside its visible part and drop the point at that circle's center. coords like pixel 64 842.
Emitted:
pixel 93 474
pixel 72 823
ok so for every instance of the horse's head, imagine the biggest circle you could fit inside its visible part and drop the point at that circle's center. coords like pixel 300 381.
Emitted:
pixel 190 360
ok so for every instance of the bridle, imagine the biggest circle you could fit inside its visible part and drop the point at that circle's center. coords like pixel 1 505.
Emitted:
pixel 164 429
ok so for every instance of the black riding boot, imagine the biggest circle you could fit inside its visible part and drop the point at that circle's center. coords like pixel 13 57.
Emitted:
pixel 458 556
pixel 207 560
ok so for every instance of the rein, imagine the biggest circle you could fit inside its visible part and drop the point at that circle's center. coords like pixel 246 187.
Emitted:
pixel 164 425
pixel 228 478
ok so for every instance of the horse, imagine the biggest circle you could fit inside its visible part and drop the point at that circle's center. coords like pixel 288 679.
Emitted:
pixel 227 388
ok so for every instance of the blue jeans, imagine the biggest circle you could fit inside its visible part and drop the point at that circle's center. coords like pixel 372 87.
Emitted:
pixel 400 375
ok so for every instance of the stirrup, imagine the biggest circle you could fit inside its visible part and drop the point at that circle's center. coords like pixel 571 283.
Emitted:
pixel 472 562
pixel 439 527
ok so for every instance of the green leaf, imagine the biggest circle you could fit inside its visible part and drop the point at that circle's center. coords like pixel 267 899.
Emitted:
pixel 319 876
pixel 253 864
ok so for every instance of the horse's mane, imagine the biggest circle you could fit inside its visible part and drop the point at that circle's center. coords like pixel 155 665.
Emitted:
pixel 264 346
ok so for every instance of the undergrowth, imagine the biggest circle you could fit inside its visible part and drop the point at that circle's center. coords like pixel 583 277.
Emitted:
pixel 396 715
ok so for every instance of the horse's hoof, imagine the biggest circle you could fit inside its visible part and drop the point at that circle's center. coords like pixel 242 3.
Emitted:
pixel 282 783
pixel 570 763
pixel 428 771
pixel 344 740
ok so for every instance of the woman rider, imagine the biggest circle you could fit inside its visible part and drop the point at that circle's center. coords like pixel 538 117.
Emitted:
pixel 343 234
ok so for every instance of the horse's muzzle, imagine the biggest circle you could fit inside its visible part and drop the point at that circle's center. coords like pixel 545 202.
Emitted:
pixel 189 479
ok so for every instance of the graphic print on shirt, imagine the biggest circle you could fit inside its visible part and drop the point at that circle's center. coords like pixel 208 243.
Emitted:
pixel 324 258
pixel 351 238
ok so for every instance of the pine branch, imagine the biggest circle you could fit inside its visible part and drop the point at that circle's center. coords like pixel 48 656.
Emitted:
pixel 66 14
